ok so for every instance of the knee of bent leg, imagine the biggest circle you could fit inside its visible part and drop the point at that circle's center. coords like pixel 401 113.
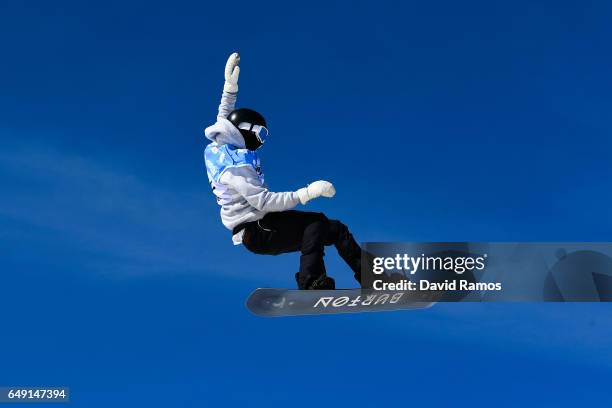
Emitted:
pixel 319 225
pixel 337 229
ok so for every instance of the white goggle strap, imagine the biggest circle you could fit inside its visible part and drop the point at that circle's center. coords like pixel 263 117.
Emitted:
pixel 253 128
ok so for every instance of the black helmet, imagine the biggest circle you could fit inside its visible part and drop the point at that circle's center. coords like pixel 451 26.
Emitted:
pixel 251 125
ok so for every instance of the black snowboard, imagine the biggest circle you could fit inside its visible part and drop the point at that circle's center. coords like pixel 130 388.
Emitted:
pixel 271 302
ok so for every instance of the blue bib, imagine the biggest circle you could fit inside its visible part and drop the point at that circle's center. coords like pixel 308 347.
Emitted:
pixel 219 158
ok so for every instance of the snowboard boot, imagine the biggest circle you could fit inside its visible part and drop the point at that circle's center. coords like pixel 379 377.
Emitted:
pixel 323 282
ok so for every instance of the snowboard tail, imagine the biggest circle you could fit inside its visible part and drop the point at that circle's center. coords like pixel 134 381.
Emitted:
pixel 270 302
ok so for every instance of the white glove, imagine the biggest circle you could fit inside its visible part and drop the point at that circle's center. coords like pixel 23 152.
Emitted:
pixel 315 190
pixel 232 71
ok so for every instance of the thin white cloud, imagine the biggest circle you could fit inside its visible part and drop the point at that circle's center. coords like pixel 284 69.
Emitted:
pixel 93 208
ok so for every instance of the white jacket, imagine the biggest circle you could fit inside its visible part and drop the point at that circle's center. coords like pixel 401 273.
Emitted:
pixel 246 196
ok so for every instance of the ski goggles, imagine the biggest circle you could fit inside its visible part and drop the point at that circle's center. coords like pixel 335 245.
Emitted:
pixel 261 132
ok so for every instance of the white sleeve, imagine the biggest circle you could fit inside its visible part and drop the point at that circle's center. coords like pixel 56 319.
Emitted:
pixel 228 102
pixel 246 182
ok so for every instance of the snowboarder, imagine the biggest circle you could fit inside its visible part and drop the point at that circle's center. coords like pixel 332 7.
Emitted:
pixel 260 219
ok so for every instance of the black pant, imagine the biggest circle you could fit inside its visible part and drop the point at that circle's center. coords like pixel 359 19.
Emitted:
pixel 308 232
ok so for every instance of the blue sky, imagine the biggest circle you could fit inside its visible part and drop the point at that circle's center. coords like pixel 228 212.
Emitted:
pixel 435 120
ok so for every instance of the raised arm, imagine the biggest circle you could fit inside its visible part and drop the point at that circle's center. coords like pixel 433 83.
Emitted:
pixel 230 88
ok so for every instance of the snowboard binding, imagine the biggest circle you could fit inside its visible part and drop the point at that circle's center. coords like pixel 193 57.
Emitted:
pixel 323 282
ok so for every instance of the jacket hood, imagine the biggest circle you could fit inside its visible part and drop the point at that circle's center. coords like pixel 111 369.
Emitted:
pixel 224 132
